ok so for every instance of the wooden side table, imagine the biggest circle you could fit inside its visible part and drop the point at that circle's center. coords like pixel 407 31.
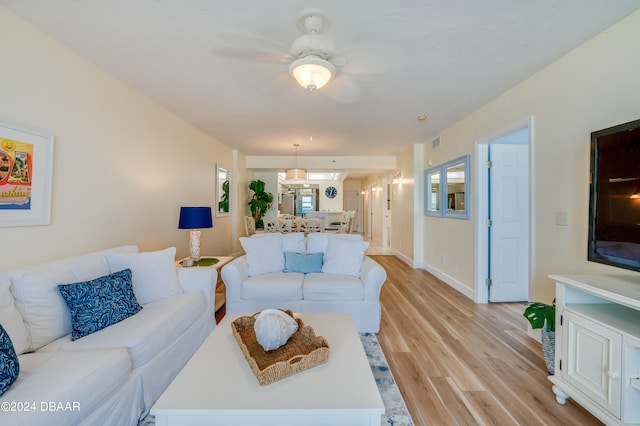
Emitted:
pixel 205 262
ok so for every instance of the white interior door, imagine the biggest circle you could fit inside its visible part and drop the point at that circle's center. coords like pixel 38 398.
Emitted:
pixel 370 213
pixel 509 214
pixel 384 213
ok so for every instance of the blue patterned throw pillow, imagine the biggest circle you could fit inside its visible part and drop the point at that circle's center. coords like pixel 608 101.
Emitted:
pixel 9 365
pixel 99 303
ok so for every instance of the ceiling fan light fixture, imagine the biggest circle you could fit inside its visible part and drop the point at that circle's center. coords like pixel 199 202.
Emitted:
pixel 312 72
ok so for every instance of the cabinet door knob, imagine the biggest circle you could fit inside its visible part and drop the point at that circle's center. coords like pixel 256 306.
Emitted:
pixel 613 374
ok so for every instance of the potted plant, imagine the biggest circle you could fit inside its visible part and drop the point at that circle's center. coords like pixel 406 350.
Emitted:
pixel 543 316
pixel 223 204
pixel 260 201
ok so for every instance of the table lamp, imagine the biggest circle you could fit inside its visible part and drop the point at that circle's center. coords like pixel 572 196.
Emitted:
pixel 195 218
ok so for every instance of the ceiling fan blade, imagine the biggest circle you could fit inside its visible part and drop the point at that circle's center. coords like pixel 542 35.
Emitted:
pixel 250 48
pixel 342 89
pixel 339 62
pixel 251 55
pixel 286 59
pixel 251 42
pixel 368 60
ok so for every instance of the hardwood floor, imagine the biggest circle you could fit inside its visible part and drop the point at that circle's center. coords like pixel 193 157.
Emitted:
pixel 460 363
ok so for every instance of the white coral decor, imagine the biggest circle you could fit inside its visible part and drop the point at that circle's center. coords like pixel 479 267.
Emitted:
pixel 273 328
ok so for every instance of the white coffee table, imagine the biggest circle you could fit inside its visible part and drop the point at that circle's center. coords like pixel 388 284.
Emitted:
pixel 217 386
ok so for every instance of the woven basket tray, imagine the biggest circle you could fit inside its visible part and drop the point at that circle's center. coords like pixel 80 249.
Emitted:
pixel 303 351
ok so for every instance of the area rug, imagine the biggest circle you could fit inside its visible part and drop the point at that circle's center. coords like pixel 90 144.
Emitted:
pixel 396 413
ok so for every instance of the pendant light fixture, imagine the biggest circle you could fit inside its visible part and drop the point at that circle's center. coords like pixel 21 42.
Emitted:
pixel 296 173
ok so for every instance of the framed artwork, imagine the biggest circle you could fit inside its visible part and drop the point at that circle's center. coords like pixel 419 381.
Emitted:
pixel 26 167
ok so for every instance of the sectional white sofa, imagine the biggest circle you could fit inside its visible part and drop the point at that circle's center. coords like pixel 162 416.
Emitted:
pixel 112 376
pixel 323 272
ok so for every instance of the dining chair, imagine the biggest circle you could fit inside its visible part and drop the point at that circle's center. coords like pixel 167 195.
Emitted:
pixel 298 224
pixel 270 225
pixel 285 225
pixel 249 225
pixel 343 228
pixel 352 219
pixel 315 225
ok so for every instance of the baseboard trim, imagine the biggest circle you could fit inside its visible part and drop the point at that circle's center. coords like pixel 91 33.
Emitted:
pixel 452 282
pixel 402 257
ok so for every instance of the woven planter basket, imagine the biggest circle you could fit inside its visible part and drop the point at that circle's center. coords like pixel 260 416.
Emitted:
pixel 549 349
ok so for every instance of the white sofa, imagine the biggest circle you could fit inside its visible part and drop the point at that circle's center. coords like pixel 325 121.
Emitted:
pixel 116 374
pixel 345 280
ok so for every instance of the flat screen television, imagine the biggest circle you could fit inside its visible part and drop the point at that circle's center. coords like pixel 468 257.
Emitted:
pixel 614 202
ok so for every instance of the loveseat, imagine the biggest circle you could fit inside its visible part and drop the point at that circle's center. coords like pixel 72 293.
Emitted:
pixel 323 272
pixel 114 373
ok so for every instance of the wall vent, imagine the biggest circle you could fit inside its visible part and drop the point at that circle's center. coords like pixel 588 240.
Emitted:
pixel 436 142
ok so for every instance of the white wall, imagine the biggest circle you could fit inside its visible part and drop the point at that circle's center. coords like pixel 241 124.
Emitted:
pixel 352 185
pixel 330 204
pixel 375 197
pixel 594 87
pixel 122 164
pixel 240 193
pixel 402 207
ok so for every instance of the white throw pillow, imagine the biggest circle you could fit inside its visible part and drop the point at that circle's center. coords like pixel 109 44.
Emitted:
pixel 294 242
pixel 264 254
pixel 35 291
pixel 344 257
pixel 153 273
pixel 10 318
pixel 317 242
pixel 45 314
pixel 291 241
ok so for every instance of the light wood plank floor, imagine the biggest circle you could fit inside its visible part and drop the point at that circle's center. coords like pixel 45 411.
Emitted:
pixel 460 363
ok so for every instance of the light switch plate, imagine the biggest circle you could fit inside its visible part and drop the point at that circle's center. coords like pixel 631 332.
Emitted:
pixel 562 219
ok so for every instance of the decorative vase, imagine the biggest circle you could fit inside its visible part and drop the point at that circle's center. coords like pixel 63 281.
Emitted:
pixel 549 349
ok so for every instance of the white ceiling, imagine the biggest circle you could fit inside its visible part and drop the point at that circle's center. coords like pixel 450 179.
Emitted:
pixel 219 63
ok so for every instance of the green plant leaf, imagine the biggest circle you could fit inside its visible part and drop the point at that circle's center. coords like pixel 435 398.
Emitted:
pixel 260 201
pixel 540 314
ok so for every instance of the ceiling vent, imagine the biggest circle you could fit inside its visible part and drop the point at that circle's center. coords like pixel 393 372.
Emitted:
pixel 436 142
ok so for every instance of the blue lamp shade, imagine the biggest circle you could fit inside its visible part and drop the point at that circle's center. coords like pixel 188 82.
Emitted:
pixel 195 218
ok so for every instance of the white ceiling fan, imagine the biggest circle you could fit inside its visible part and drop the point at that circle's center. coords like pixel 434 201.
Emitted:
pixel 312 53
pixel 312 58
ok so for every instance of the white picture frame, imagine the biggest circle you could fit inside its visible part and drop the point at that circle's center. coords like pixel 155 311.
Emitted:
pixel 223 191
pixel 26 173
pixel 447 189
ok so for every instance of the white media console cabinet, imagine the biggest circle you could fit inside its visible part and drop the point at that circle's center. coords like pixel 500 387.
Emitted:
pixel 597 354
